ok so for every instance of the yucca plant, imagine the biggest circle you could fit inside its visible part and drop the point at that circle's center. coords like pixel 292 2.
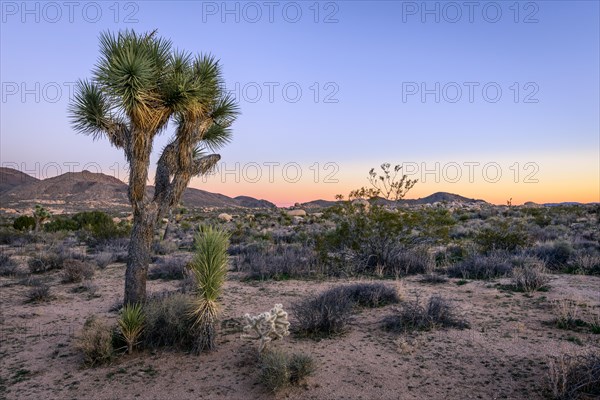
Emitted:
pixel 131 324
pixel 210 269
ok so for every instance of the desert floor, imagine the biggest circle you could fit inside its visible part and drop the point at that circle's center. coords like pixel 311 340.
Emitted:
pixel 503 355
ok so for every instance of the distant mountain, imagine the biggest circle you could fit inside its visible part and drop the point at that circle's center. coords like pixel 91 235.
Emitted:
pixel 439 197
pixel 251 202
pixel 564 203
pixel 318 204
pixel 75 191
pixel 443 197
pixel 11 178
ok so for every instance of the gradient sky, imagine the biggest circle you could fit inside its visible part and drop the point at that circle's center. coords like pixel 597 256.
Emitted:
pixel 358 65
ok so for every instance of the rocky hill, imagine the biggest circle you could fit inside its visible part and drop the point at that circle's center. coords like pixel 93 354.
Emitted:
pixel 76 191
pixel 10 178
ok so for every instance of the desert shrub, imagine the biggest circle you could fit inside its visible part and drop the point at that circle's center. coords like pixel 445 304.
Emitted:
pixel 75 271
pixel 433 278
pixel 282 261
pixel 8 266
pixel 131 325
pixel 450 255
pixel 501 236
pixel 301 366
pixel 98 227
pixel 529 274
pixel 210 269
pixel 47 261
pixel 567 314
pixel 274 372
pixel 164 247
pixel 38 292
pixel 482 266
pixel 414 316
pixel 169 268
pixel 104 259
pixel 371 294
pixel 574 377
pixel 278 369
pixel 169 322
pixel 370 239
pixel 556 254
pixel 417 260
pixel 117 246
pixel 60 223
pixel 96 342
pixel 324 314
pixel 588 264
pixel 24 223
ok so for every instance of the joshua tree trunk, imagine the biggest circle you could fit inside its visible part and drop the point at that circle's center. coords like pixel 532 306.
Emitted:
pixel 138 259
pixel 169 218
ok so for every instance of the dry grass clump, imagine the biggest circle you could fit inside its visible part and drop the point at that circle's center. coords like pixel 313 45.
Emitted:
pixel 529 275
pixel 96 342
pixel 47 261
pixel 482 266
pixel 75 271
pixel 574 377
pixel 39 292
pixel 279 370
pixel 8 266
pixel 415 316
pixel 329 313
pixel 169 268
pixel 104 259
pixel 169 322
pixel 324 314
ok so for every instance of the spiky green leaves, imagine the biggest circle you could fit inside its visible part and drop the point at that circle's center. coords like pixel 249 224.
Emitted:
pixel 210 262
pixel 210 269
pixel 131 324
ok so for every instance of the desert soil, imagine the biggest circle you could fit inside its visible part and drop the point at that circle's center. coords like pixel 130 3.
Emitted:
pixel 503 355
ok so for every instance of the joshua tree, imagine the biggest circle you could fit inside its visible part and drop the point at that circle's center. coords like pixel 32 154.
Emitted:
pixel 138 86
pixel 40 214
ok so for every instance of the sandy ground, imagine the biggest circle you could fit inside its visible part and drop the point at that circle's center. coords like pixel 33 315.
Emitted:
pixel 502 356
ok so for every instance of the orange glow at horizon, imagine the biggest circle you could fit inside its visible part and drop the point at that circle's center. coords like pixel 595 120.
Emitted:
pixel 577 180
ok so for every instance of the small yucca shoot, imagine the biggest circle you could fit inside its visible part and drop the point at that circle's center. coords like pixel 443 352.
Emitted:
pixel 210 268
pixel 131 324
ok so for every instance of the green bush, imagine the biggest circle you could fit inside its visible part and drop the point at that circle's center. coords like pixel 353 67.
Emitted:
pixel 61 224
pixel 24 223
pixel 502 236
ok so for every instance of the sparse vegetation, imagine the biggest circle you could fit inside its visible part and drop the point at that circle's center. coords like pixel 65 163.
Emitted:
pixel 96 342
pixel 324 314
pixel 8 266
pixel 75 271
pixel 573 377
pixel 279 369
pixel 414 316
pixel 169 268
pixel 39 292
pixel 169 322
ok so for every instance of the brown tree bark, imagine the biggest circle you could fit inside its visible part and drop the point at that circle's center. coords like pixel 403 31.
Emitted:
pixel 138 259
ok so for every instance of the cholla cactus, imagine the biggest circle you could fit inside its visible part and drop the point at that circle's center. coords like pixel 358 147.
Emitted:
pixel 267 326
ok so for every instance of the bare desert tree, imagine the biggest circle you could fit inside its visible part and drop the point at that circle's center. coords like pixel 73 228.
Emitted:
pixel 139 85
